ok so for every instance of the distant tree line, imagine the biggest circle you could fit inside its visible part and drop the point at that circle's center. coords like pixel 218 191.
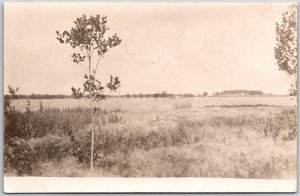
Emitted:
pixel 156 95
pixel 238 93
pixel 141 95
pixel 162 95
pixel 38 96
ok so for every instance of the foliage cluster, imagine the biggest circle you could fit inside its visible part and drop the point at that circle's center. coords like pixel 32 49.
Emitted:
pixel 285 50
pixel 32 137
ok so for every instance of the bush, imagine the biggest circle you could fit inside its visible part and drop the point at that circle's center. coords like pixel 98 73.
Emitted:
pixel 23 155
pixel 113 118
pixel 40 123
pixel 81 148
pixel 182 105
pixel 51 147
pixel 275 126
pixel 36 136
pixel 19 156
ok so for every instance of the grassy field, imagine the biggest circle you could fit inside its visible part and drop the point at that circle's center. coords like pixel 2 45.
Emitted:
pixel 238 137
pixel 156 104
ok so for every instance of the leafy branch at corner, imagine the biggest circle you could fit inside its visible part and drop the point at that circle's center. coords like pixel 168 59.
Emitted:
pixel 88 38
pixel 286 45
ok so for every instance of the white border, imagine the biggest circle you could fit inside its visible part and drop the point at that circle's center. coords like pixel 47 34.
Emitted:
pixel 139 185
pixel 80 185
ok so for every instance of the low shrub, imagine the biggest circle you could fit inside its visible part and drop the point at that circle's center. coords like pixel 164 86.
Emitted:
pixel 51 147
pixel 182 105
pixel 276 125
pixel 36 124
pixel 23 155
pixel 35 136
pixel 19 156
pixel 113 118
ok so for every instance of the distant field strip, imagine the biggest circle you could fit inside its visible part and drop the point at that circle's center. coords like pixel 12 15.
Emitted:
pixel 142 104
pixel 234 106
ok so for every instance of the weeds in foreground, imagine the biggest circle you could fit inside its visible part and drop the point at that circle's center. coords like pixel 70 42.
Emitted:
pixel 280 122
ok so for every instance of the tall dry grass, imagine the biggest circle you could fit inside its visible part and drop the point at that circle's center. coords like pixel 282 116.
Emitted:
pixel 232 142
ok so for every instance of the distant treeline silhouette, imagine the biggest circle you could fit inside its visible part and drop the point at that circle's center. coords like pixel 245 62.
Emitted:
pixel 238 93
pixel 47 96
pixel 140 95
pixel 39 96
pixel 156 95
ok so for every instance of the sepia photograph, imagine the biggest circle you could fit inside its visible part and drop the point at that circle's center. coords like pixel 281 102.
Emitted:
pixel 150 97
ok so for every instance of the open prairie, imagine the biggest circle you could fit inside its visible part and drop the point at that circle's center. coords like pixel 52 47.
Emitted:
pixel 157 104
pixel 232 137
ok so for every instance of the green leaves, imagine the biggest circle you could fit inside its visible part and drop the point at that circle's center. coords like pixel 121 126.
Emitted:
pixel 286 46
pixel 114 83
pixel 95 87
pixel 92 85
pixel 114 41
pixel 88 35
pixel 13 91
pixel 77 57
pixel 76 93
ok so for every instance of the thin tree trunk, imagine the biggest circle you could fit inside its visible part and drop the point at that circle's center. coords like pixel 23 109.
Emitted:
pixel 93 127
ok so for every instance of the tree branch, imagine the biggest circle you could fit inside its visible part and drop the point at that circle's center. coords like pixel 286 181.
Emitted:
pixel 92 48
pixel 97 65
pixel 88 54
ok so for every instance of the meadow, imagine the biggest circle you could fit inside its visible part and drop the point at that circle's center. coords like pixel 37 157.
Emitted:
pixel 228 137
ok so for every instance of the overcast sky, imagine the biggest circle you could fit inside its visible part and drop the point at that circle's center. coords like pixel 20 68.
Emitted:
pixel 180 47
